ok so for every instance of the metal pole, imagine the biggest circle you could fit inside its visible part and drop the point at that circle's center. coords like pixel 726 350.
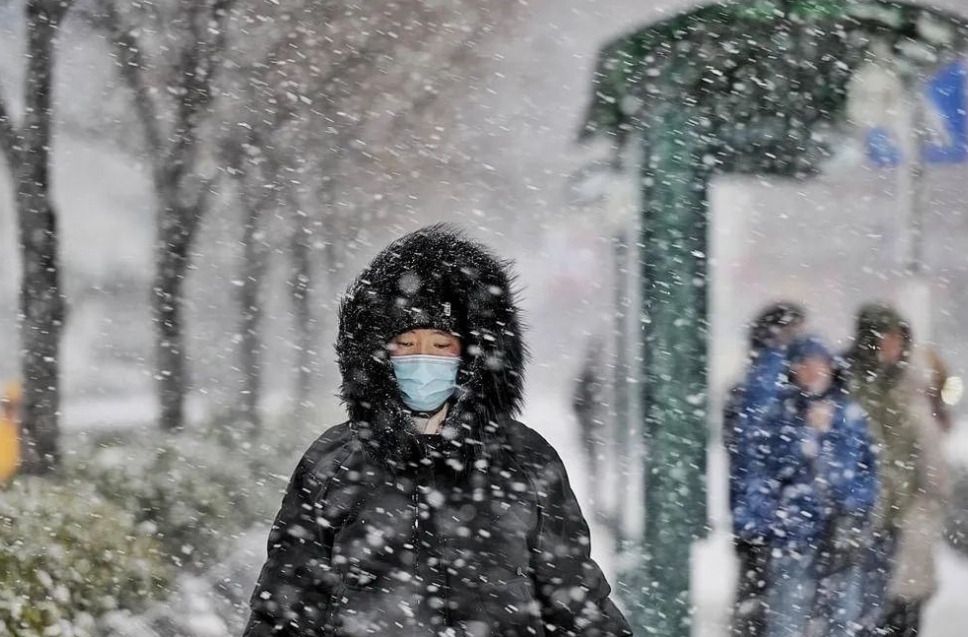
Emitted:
pixel 914 294
pixel 620 382
pixel 673 387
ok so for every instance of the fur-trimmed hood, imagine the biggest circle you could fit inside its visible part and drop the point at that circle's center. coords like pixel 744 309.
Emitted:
pixel 433 274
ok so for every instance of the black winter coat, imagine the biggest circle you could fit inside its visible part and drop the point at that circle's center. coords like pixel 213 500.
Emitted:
pixel 500 550
pixel 474 532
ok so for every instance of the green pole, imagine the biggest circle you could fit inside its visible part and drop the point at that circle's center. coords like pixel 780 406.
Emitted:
pixel 674 388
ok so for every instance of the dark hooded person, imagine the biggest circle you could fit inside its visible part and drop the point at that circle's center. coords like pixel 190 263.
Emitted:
pixel 432 511
pixel 897 384
pixel 770 334
pixel 589 402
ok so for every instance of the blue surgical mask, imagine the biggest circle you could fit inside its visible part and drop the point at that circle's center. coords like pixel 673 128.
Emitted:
pixel 426 382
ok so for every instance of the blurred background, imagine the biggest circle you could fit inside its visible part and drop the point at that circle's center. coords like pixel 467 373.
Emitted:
pixel 279 146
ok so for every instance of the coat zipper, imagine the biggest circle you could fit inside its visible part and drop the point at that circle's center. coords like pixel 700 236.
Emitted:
pixel 415 537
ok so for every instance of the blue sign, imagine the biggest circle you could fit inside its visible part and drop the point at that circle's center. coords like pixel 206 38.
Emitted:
pixel 946 112
pixel 882 148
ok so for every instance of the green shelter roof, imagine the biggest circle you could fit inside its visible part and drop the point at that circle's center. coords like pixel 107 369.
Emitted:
pixel 762 72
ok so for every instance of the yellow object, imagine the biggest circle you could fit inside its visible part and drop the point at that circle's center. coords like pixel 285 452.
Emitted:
pixel 12 392
pixel 9 430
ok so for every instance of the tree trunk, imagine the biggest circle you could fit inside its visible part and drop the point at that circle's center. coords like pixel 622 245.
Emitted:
pixel 41 300
pixel 169 346
pixel 253 269
pixel 300 284
pixel 175 232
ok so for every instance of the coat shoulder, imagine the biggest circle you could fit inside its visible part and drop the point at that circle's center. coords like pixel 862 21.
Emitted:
pixel 334 447
pixel 526 443
pixel 523 436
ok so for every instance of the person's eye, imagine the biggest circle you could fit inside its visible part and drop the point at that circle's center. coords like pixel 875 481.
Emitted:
pixel 442 345
pixel 405 343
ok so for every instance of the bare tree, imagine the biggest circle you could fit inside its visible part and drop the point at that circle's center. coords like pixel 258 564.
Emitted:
pixel 301 287
pixel 255 156
pixel 193 41
pixel 27 149
pixel 318 89
pixel 355 109
pixel 251 300
pixel 246 161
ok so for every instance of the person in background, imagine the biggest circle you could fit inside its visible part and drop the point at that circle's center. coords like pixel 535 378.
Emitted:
pixel 769 334
pixel 590 403
pixel 899 386
pixel 811 486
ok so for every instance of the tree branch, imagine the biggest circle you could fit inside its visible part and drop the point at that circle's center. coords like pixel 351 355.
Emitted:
pixel 459 55
pixel 197 72
pixel 55 10
pixel 52 12
pixel 417 102
pixel 130 58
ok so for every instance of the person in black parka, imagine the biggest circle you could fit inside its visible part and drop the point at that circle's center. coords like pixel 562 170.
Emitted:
pixel 432 511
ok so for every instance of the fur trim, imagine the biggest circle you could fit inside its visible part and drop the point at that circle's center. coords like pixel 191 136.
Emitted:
pixel 433 266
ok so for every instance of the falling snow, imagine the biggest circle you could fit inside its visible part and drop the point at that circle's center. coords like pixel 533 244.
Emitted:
pixel 222 172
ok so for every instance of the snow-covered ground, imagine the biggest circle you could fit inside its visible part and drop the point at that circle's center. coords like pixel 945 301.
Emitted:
pixel 714 570
pixel 947 613
pixel 214 605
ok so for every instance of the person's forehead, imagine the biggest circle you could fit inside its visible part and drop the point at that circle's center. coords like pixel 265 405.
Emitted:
pixel 427 332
